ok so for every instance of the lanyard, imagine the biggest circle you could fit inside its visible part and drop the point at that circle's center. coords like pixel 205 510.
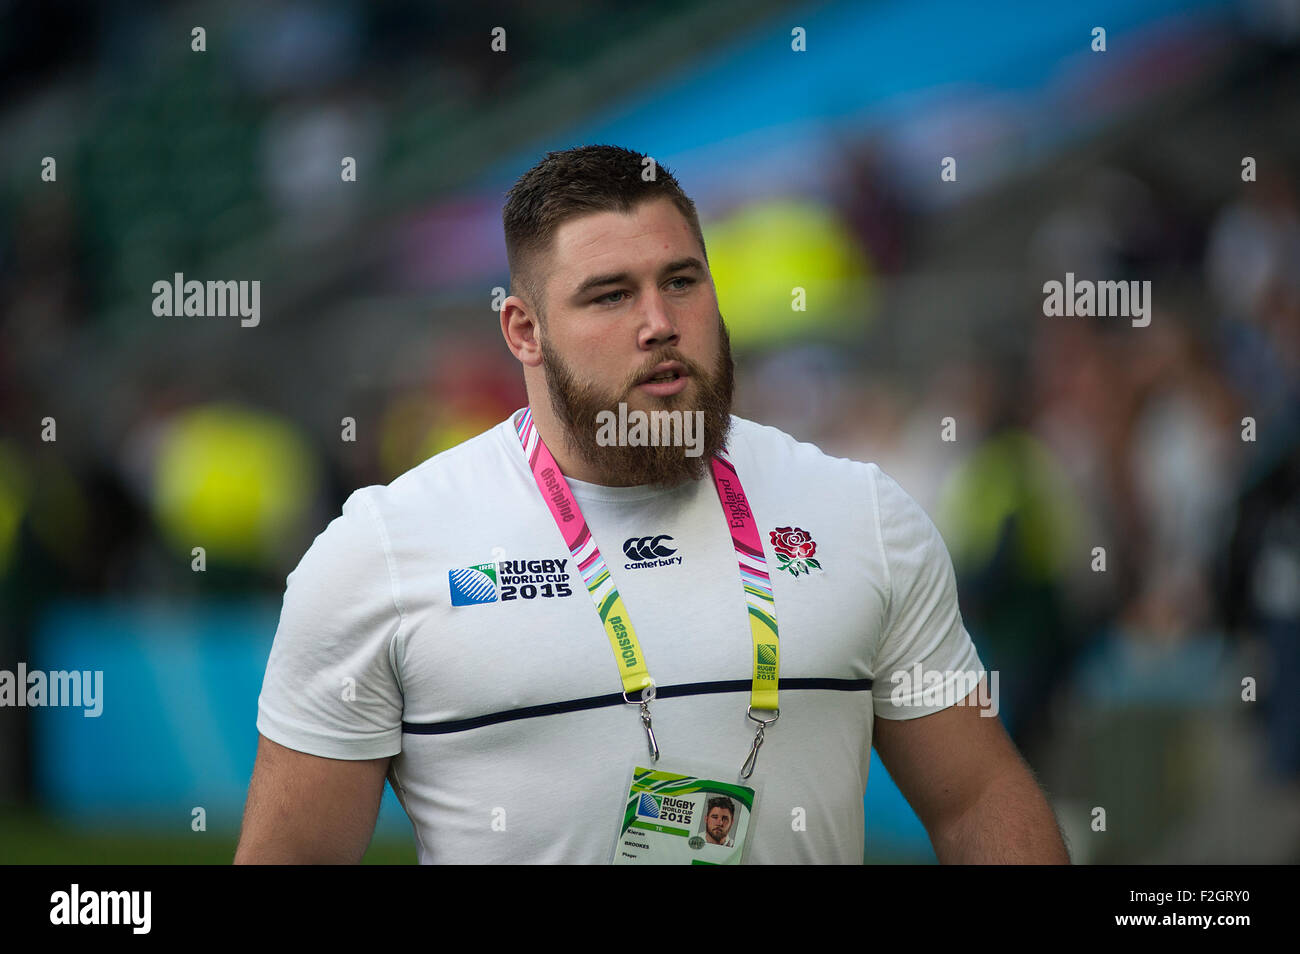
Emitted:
pixel 633 671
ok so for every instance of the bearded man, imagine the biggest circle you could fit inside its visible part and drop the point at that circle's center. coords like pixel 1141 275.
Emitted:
pixel 516 627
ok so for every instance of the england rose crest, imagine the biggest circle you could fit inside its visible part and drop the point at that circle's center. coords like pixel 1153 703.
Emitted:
pixel 794 550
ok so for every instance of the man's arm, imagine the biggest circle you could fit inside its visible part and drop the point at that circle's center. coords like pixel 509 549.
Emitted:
pixel 977 798
pixel 304 809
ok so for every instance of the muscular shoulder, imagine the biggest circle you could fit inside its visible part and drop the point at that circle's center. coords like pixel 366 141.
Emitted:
pixel 771 449
pixel 472 471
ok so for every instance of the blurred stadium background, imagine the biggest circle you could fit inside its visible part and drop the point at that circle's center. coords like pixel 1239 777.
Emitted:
pixel 818 169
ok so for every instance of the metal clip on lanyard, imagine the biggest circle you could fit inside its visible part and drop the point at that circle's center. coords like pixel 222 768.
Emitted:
pixel 747 769
pixel 647 697
pixel 760 602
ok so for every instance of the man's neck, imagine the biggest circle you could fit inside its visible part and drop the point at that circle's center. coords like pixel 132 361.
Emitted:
pixel 553 436
pixel 574 465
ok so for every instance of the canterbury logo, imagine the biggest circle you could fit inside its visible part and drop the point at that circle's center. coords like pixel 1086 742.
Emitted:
pixel 647 548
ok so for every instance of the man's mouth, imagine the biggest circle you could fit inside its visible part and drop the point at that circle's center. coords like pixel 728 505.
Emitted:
pixel 665 380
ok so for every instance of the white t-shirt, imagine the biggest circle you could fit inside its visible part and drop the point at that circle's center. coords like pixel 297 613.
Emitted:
pixel 395 640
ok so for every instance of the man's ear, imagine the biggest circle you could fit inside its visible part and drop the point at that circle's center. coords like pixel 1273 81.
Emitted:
pixel 520 327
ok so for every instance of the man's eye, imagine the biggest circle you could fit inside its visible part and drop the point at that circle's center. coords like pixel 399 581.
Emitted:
pixel 605 298
pixel 688 281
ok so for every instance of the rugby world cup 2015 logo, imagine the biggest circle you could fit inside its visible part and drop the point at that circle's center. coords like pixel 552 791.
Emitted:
pixel 473 584
pixel 509 580
pixel 666 808
pixel 649 807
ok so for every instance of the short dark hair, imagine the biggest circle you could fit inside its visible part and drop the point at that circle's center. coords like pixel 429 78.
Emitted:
pixel 575 182
pixel 721 801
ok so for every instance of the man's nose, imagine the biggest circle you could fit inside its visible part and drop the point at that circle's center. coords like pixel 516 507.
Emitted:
pixel 658 327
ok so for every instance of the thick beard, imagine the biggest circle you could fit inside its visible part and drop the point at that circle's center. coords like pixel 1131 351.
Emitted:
pixel 577 405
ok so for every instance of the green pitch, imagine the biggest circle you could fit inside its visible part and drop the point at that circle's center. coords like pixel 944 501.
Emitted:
pixel 31 839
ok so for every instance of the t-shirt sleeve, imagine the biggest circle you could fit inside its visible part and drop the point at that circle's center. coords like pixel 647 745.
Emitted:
pixel 331 688
pixel 923 625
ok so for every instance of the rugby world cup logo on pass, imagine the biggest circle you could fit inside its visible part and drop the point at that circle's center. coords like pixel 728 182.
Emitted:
pixel 666 808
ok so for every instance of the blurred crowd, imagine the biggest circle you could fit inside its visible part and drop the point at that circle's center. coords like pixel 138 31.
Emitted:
pixel 1122 504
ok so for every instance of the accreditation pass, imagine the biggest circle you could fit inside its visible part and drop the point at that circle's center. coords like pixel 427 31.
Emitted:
pixel 674 819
